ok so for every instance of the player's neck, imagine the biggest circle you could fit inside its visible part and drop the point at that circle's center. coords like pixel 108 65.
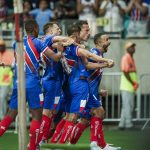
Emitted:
pixel 99 48
pixel 31 35
pixel 49 33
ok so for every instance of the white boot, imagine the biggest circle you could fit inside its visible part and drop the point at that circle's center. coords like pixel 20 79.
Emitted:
pixel 94 146
pixel 107 147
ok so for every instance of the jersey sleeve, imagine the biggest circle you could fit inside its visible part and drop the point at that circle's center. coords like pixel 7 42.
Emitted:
pixel 93 51
pixel 42 47
pixel 49 40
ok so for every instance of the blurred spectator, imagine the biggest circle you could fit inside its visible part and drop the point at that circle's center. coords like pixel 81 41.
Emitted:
pixel 148 24
pixel 65 9
pixel 3 11
pixel 87 10
pixel 42 15
pixel 35 3
pixel 128 86
pixel 113 11
pixel 127 1
pixel 27 7
pixel 9 4
pixel 6 59
pixel 138 11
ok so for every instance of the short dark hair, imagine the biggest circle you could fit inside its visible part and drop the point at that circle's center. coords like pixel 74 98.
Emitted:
pixel 97 37
pixel 72 29
pixel 30 25
pixel 80 23
pixel 47 25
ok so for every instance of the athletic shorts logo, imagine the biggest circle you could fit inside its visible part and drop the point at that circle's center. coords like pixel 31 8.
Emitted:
pixel 82 105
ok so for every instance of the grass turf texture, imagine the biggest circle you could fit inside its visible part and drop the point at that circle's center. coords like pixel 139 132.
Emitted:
pixel 128 140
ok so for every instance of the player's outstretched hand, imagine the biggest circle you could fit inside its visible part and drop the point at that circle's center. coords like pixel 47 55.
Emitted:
pixel 110 63
pixel 67 41
pixel 103 93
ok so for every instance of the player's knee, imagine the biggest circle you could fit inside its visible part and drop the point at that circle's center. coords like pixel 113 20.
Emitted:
pixel 47 112
pixel 12 113
pixel 36 113
pixel 55 112
pixel 73 117
pixel 84 121
pixel 99 112
pixel 66 116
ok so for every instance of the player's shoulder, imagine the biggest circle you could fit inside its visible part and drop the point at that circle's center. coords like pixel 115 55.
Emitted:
pixel 94 51
pixel 48 38
pixel 37 41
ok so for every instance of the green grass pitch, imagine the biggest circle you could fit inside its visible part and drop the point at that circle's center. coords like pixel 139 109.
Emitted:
pixel 128 140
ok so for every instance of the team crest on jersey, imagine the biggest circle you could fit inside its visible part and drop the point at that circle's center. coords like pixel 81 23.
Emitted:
pixel 68 48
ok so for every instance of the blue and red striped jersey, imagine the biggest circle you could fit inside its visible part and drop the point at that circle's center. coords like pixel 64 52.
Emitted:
pixel 33 47
pixel 95 75
pixel 75 63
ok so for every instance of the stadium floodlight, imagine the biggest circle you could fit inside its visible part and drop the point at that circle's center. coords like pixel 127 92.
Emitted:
pixel 18 10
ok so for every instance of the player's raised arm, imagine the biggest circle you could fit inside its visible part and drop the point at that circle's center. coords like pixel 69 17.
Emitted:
pixel 91 66
pixel 64 40
pixel 51 54
pixel 94 65
pixel 87 54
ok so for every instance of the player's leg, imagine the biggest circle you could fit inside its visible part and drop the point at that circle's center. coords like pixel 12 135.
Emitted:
pixel 34 96
pixel 97 134
pixel 79 94
pixel 65 107
pixel 97 113
pixel 54 109
pixel 11 115
pixel 97 127
pixel 78 130
pixel 68 127
pixel 58 113
pixel 57 119
pixel 47 114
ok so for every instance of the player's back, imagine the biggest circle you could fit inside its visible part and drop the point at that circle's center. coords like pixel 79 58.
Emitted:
pixel 32 49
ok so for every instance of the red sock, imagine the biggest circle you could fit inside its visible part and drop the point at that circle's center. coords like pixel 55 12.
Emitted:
pixel 68 126
pixel 58 131
pixel 101 139
pixel 45 128
pixel 77 132
pixel 4 124
pixel 95 123
pixel 34 131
